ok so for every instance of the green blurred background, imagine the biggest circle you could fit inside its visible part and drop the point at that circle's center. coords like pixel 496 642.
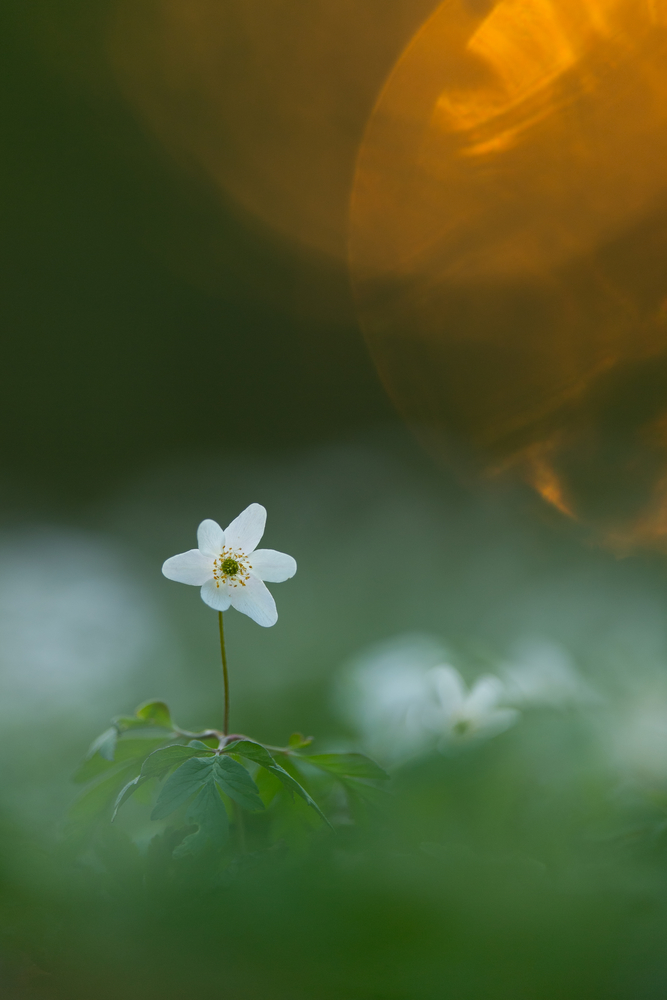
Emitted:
pixel 168 356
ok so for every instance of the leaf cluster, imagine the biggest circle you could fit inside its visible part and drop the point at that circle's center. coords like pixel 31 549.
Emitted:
pixel 207 786
pixel 150 715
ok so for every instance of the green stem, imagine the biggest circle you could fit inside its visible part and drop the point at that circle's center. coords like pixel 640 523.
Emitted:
pixel 225 675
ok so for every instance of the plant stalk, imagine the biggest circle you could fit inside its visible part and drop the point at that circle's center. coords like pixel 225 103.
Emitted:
pixel 225 675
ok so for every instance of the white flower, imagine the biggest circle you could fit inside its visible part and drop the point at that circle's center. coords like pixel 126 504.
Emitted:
pixel 403 703
pixel 384 693
pixel 636 734
pixel 543 674
pixel 462 714
pixel 230 569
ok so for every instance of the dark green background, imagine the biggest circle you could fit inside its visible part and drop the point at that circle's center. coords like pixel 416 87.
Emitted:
pixel 141 316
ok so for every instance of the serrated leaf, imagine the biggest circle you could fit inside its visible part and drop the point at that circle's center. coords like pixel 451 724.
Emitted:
pixel 161 761
pixel 156 713
pixel 233 779
pixel 208 811
pixel 104 745
pixel 196 780
pixel 189 778
pixel 128 790
pixel 260 755
pixel 349 765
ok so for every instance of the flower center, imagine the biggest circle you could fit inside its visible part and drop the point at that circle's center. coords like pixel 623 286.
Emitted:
pixel 229 566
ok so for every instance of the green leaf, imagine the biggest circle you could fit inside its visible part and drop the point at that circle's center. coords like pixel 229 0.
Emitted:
pixel 260 755
pixel 198 779
pixel 291 778
pixel 137 748
pixel 161 761
pixel 155 713
pixel 98 797
pixel 104 745
pixel 199 745
pixel 91 769
pixel 350 765
pixel 124 722
pixel 267 784
pixel 125 793
pixel 208 811
pixel 233 779
pixel 150 714
pixel 251 751
pixel 126 750
pixel 370 794
pixel 189 778
pixel 298 740
pixel 293 786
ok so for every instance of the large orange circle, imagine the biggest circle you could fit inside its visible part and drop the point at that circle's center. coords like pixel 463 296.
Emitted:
pixel 509 248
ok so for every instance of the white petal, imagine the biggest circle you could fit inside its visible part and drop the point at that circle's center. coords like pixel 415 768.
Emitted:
pixel 449 688
pixel 189 567
pixel 255 601
pixel 246 530
pixel 276 567
pixel 216 597
pixel 484 696
pixel 498 721
pixel 210 538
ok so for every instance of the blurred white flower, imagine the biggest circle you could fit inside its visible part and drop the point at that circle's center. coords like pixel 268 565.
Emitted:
pixel 403 700
pixel 230 569
pixel 74 619
pixel 460 714
pixel 637 735
pixel 384 693
pixel 543 674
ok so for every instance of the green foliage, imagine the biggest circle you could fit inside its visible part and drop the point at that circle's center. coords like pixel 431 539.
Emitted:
pixel 151 713
pixel 187 779
pixel 208 812
pixel 255 752
pixel 96 800
pixel 125 793
pixel 155 713
pixel 127 749
pixel 104 745
pixel 110 783
pixel 232 778
pixel 350 765
pixel 200 782
pixel 260 755
pixel 226 773
pixel 199 778
pixel 298 740
pixel 161 761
